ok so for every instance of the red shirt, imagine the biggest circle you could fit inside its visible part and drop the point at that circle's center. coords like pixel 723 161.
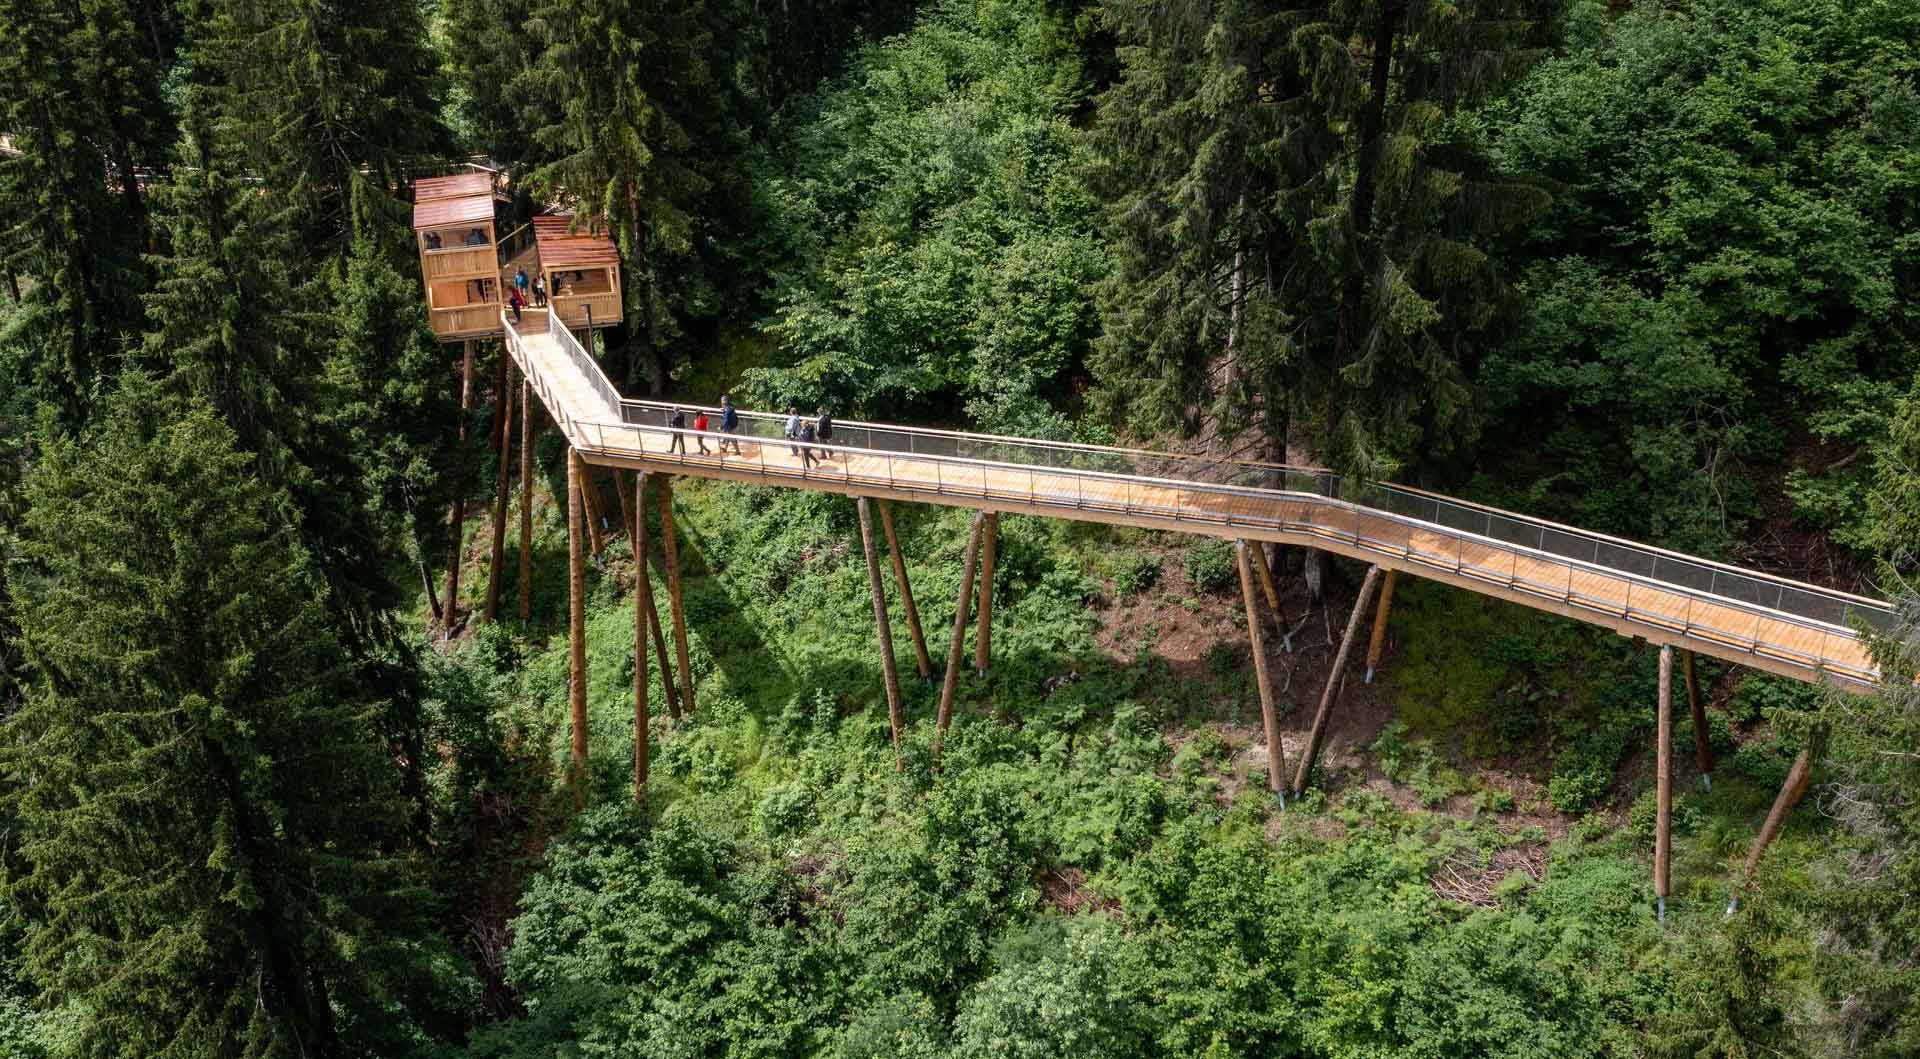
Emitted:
pixel 700 421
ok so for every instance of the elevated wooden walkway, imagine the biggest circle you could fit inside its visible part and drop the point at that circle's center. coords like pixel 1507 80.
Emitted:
pixel 1793 629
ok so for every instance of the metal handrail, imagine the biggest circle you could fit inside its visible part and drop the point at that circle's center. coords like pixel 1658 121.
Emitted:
pixel 589 367
pixel 1566 542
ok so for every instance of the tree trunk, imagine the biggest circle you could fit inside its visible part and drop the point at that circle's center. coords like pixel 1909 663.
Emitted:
pixel 637 234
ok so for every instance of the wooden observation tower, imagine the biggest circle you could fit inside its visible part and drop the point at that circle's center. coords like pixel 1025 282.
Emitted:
pixel 469 271
pixel 453 226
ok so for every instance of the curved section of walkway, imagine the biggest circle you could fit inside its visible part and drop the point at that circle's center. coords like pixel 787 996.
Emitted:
pixel 1744 616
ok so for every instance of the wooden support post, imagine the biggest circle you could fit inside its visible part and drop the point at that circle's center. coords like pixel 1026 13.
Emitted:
pixel 1663 787
pixel 1702 746
pixel 526 500
pixel 982 650
pixel 458 520
pixel 596 535
pixel 1269 717
pixel 1259 564
pixel 503 411
pixel 642 606
pixel 576 629
pixel 641 548
pixel 620 490
pixel 957 648
pixel 1379 641
pixel 885 629
pixel 672 551
pixel 1789 796
pixel 921 659
pixel 1307 756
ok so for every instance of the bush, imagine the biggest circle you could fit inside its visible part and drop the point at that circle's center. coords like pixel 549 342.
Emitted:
pixel 1581 772
pixel 1210 566
pixel 1761 694
pixel 1135 572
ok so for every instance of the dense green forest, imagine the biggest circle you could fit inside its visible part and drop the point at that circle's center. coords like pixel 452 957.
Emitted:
pixel 1651 268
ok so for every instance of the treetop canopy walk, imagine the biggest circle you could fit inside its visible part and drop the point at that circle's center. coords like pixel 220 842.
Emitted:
pixel 1751 618
pixel 1797 630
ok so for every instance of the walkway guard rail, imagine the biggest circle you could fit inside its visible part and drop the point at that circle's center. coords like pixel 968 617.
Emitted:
pixel 1298 507
pixel 1747 587
pixel 589 368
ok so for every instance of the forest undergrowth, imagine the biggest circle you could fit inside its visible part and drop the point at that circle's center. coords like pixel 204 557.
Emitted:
pixel 1095 865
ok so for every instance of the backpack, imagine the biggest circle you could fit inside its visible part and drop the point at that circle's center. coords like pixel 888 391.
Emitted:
pixel 826 426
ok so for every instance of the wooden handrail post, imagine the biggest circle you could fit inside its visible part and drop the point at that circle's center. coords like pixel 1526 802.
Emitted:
pixel 671 549
pixel 921 659
pixel 642 606
pixel 884 628
pixel 576 630
pixel 503 435
pixel 457 522
pixel 526 500
pixel 1379 641
pixel 956 649
pixel 1702 746
pixel 1791 791
pixel 1269 716
pixel 1663 786
pixel 982 641
pixel 1307 756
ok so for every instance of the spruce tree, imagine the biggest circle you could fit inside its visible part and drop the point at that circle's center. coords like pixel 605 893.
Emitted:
pixel 85 110
pixel 202 812
pixel 1306 226
pixel 633 108
pixel 323 102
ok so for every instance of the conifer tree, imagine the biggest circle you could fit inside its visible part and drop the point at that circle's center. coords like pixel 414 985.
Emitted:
pixel 1305 231
pixel 201 809
pixel 322 100
pixel 633 108
pixel 86 113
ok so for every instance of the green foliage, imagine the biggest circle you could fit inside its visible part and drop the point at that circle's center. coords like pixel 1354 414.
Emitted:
pixel 1301 225
pixel 84 108
pixel 1135 572
pixel 1210 566
pixel 943 244
pixel 196 766
pixel 1724 256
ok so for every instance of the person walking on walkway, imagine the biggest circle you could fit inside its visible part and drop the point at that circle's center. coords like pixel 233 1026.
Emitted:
pixel 514 301
pixel 806 446
pixel 700 433
pixel 678 421
pixel 539 293
pixel 793 428
pixel 729 426
pixel 825 430
pixel 520 281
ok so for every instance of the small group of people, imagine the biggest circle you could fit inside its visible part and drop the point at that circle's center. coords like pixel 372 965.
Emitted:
pixel 806 432
pixel 729 429
pixel 536 289
pixel 475 237
pixel 807 437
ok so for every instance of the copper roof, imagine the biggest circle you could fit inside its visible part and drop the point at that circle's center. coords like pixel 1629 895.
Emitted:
pixel 559 248
pixel 463 199
pixel 458 186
